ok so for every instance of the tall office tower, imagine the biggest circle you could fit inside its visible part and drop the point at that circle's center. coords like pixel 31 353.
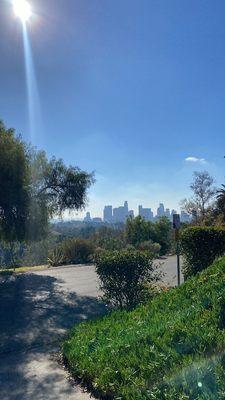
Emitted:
pixel 160 210
pixel 167 213
pixel 121 213
pixel 173 212
pixel 146 213
pixel 126 208
pixel 107 214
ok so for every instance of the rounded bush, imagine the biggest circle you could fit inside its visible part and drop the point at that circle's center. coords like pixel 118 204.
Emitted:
pixel 125 277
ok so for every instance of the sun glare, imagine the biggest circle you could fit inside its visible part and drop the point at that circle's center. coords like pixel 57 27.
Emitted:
pixel 22 9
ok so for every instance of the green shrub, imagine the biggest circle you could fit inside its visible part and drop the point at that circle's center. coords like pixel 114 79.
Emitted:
pixel 37 253
pixel 77 250
pixel 171 348
pixel 200 246
pixel 72 251
pixel 150 246
pixel 125 277
pixel 138 230
pixel 56 257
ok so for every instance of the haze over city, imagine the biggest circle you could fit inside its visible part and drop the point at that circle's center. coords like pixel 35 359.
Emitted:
pixel 141 96
pixel 120 214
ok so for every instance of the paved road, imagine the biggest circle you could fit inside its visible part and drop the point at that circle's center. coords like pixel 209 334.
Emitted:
pixel 36 309
pixel 168 267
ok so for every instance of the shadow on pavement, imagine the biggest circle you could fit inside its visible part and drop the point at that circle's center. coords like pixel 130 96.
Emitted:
pixel 34 311
pixel 35 376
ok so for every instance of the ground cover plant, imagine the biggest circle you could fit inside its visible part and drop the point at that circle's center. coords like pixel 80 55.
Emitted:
pixel 172 348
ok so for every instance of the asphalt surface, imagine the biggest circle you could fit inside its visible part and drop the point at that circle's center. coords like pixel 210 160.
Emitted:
pixel 168 268
pixel 36 310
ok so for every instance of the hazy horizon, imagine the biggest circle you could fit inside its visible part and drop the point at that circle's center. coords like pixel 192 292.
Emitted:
pixel 131 90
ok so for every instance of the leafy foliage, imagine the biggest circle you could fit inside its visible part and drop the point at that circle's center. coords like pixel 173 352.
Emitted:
pixel 149 245
pixel 220 204
pixel 200 204
pixel 59 187
pixel 11 254
pixel 14 186
pixel 200 247
pixel 139 230
pixel 125 276
pixel 109 238
pixel 72 251
pixel 169 349
pixel 56 257
pixel 33 189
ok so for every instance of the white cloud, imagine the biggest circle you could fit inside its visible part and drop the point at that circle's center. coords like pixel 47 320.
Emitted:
pixel 195 160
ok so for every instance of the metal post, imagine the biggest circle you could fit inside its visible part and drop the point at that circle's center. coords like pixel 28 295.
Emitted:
pixel 176 227
pixel 178 264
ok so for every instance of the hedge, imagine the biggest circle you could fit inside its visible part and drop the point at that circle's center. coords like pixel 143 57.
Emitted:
pixel 200 247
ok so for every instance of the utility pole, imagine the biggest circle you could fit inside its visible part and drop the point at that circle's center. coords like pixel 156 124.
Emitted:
pixel 176 227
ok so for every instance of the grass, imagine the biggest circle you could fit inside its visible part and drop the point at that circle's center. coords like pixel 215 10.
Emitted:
pixel 170 349
pixel 19 270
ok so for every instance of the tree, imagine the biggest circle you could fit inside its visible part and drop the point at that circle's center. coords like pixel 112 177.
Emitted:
pixel 200 204
pixel 14 186
pixel 221 198
pixel 138 230
pixel 33 189
pixel 163 234
pixel 54 188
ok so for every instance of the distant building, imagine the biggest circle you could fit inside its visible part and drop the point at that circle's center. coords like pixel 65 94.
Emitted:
pixel 88 217
pixel 173 212
pixel 160 210
pixel 126 208
pixel 185 217
pixel 167 213
pixel 146 213
pixel 121 213
pixel 107 214
pixel 97 220
pixel 131 213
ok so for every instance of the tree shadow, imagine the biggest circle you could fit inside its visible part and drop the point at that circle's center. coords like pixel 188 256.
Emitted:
pixel 35 375
pixel 34 310
pixel 35 313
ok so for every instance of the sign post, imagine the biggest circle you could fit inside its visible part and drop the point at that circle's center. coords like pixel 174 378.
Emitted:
pixel 176 227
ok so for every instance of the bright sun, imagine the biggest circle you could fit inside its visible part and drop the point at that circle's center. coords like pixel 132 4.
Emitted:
pixel 22 9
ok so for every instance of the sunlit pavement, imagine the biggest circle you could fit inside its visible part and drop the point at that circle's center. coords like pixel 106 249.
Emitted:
pixel 168 267
pixel 36 309
pixel 35 312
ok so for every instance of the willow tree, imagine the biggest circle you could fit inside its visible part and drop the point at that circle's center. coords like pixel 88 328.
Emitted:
pixel 33 189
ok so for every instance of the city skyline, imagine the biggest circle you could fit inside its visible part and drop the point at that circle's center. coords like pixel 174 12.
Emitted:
pixel 119 214
pixel 130 90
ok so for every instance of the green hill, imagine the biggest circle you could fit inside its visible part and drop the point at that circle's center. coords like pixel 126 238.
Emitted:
pixel 171 348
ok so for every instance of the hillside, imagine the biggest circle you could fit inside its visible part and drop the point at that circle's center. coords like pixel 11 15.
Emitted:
pixel 171 348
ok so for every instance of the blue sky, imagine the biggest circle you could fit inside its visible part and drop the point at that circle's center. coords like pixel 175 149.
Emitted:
pixel 128 89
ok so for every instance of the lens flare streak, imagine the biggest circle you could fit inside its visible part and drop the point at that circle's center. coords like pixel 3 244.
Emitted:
pixel 32 87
